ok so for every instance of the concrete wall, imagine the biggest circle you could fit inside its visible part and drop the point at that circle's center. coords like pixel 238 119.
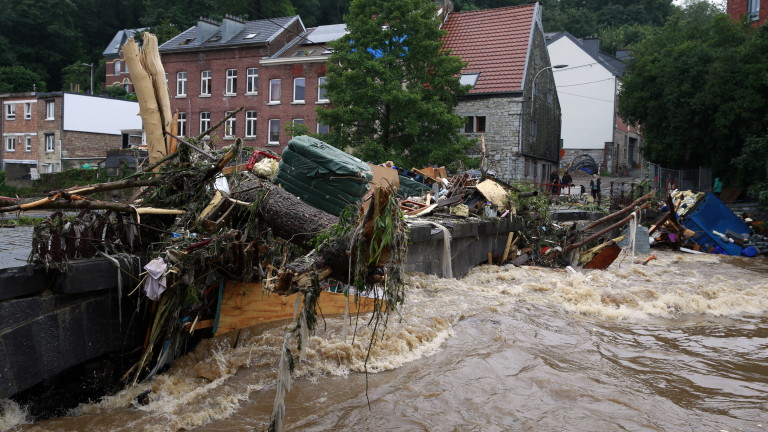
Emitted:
pixel 470 244
pixel 51 321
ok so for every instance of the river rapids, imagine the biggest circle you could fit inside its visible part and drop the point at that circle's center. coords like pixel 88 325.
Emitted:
pixel 679 344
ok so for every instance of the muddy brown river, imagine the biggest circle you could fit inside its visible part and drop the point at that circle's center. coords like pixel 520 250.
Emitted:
pixel 680 344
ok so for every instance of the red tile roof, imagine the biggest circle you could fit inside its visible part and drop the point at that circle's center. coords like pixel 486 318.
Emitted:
pixel 494 42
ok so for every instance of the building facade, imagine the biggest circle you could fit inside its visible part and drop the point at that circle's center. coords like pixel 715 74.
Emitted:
pixel 754 11
pixel 513 105
pixel 51 132
pixel 588 90
pixel 117 73
pixel 215 68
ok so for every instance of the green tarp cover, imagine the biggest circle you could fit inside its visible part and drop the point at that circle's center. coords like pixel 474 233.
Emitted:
pixel 315 198
pixel 298 167
pixel 334 188
pixel 328 158
pixel 411 188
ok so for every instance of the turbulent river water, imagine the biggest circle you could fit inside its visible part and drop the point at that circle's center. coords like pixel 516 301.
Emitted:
pixel 679 344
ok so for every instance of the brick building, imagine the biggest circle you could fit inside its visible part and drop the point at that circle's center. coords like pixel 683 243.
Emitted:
pixel 755 11
pixel 513 102
pixel 214 68
pixel 49 132
pixel 116 68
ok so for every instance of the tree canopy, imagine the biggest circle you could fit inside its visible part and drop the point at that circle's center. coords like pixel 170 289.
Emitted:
pixel 393 87
pixel 699 88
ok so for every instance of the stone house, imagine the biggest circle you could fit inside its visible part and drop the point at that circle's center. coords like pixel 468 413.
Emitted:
pixel 51 132
pixel 214 68
pixel 117 73
pixel 513 103
pixel 588 90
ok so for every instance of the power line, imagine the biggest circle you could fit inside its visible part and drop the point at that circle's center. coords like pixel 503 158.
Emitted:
pixel 585 83
pixel 571 94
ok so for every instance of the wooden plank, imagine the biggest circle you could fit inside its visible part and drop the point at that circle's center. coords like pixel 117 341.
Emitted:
pixel 245 305
pixel 506 248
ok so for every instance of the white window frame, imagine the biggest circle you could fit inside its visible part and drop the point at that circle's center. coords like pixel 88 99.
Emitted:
pixel 206 77
pixel 252 81
pixel 753 10
pixel 181 124
pixel 230 126
pixel 50 143
pixel 28 111
pixel 274 84
pixel 250 124
pixel 205 121
pixel 274 126
pixel 118 67
pixel 10 111
pixel 10 144
pixel 321 127
pixel 27 143
pixel 231 86
pixel 181 84
pixel 50 110
pixel 322 94
pixel 296 87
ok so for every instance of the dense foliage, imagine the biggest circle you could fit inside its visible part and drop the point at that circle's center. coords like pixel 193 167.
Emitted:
pixel 699 88
pixel 393 87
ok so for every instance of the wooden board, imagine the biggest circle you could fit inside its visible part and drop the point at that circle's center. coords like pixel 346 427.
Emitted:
pixel 245 305
pixel 494 193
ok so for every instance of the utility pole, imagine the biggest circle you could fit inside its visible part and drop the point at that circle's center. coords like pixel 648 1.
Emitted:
pixel 91 66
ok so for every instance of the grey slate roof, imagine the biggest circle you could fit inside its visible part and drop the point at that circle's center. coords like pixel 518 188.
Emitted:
pixel 313 42
pixel 591 47
pixel 264 30
pixel 121 37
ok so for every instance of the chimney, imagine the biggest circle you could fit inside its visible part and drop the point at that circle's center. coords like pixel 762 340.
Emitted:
pixel 591 45
pixel 206 28
pixel 231 26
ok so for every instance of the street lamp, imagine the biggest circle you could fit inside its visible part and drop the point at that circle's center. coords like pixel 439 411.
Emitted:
pixel 91 66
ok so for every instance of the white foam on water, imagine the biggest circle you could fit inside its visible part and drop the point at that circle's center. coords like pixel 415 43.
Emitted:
pixel 12 415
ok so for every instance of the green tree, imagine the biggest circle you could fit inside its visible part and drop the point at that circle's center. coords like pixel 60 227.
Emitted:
pixel 392 86
pixel 18 79
pixel 699 89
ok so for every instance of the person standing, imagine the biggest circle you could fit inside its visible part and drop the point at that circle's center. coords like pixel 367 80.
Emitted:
pixel 597 185
pixel 554 181
pixel 566 181
pixel 593 187
pixel 717 188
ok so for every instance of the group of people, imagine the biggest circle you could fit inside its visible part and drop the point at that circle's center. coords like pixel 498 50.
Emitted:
pixel 556 184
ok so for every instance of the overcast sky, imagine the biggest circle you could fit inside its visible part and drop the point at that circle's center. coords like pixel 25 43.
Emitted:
pixel 720 3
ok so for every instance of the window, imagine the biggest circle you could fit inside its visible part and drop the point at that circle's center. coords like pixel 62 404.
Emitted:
pixel 205 83
pixel 205 121
pixel 250 124
pixel 274 131
pixel 299 85
pixel 117 67
pixel 753 10
pixel 321 95
pixel 50 146
pixel 126 68
pixel 274 91
pixel 252 81
pixel 323 128
pixel 10 144
pixel 181 84
pixel 50 110
pixel 474 124
pixel 230 125
pixel 28 144
pixel 181 124
pixel 27 111
pixel 534 128
pixel 231 81
pixel 10 112
pixel 550 97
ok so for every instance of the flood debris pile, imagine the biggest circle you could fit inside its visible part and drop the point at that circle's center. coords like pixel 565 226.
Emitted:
pixel 700 222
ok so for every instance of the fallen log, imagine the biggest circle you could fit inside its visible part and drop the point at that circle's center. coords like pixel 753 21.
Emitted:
pixel 619 213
